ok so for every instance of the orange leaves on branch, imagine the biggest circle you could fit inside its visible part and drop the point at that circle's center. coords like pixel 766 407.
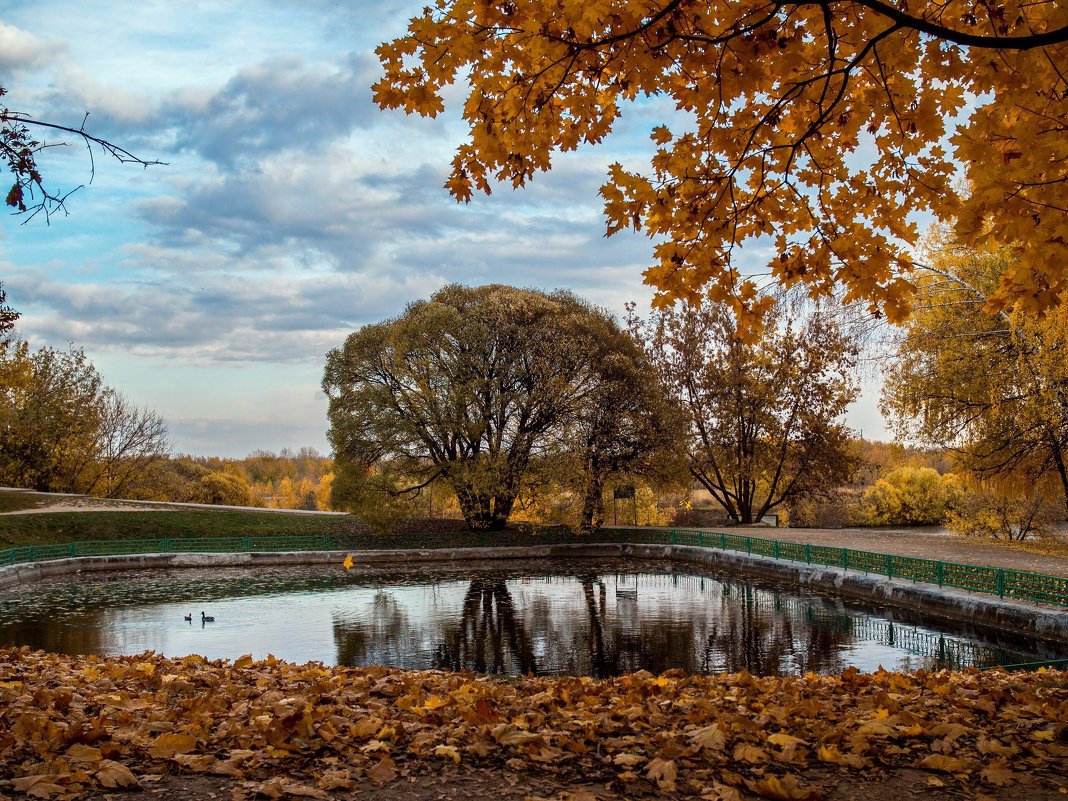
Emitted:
pixel 828 127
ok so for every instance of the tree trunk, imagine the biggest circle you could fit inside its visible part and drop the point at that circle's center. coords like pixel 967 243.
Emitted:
pixel 1058 459
pixel 593 503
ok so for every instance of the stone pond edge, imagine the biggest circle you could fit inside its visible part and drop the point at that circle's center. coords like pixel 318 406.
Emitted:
pixel 1042 622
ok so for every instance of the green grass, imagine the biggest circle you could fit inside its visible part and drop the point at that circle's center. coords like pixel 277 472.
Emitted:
pixel 21 501
pixel 59 527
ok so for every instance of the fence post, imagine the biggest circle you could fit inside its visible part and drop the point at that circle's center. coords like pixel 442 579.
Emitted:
pixel 674 536
pixel 775 549
pixel 33 553
pixel 938 573
pixel 749 545
pixel 74 549
pixel 246 544
pixel 808 553
pixel 723 540
pixel 889 566
pixel 1001 583
pixel 166 545
pixel 701 539
pixel 845 559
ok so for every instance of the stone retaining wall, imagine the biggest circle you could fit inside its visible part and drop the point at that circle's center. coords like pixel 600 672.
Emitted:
pixel 954 605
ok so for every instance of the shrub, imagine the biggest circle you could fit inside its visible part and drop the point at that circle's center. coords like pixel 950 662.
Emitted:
pixel 910 496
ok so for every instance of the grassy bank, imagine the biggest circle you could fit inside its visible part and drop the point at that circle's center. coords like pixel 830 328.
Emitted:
pixel 57 527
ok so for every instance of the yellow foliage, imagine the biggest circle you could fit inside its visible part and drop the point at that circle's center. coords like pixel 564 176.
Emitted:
pixel 911 496
pixel 825 128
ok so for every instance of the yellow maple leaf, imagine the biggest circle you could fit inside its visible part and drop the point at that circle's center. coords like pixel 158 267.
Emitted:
pixel 449 752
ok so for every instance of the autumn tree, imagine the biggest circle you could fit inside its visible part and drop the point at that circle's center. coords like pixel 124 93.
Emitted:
pixel 50 417
pixel 470 388
pixel 62 429
pixel 763 417
pixel 629 428
pixel 993 388
pixel 822 126
pixel 20 148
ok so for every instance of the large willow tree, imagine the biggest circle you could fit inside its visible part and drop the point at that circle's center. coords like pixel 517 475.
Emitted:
pixel 470 386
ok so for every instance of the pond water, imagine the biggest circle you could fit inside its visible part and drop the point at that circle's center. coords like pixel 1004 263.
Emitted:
pixel 558 617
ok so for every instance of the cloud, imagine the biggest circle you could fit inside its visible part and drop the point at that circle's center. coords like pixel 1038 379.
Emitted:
pixel 281 104
pixel 21 50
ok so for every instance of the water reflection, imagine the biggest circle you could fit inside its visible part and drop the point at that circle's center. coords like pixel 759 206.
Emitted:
pixel 532 617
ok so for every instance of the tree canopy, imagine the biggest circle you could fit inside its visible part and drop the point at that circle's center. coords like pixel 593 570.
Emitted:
pixel 824 126
pixel 764 417
pixel 472 386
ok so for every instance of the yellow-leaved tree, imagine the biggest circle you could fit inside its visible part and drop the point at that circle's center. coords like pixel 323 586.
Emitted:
pixel 991 388
pixel 826 126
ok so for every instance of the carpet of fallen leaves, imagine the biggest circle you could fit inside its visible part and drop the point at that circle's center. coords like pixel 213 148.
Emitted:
pixel 74 727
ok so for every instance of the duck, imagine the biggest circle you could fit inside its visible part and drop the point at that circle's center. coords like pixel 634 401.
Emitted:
pixel 206 618
pixel 188 617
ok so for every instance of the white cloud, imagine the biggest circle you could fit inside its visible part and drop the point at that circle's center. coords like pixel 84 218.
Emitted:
pixel 20 50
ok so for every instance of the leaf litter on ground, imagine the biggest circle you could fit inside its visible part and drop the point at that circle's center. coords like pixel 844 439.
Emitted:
pixel 73 726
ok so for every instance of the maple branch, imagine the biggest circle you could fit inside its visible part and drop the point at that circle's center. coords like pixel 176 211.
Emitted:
pixel 1029 42
pixel 20 151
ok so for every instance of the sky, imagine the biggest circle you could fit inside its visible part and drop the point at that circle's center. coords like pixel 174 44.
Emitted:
pixel 291 210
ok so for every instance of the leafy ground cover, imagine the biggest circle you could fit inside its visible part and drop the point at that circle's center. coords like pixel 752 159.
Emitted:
pixel 76 727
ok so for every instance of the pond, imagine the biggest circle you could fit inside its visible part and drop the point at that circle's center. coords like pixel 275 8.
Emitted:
pixel 544 617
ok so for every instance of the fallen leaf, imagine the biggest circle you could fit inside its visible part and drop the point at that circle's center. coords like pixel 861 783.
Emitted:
pixel 42 786
pixel 785 740
pixel 997 773
pixel 785 788
pixel 336 780
pixel 663 772
pixel 168 744
pixel 79 752
pixel 721 792
pixel 383 772
pixel 628 760
pixel 710 737
pixel 448 751
pixel 115 774
pixel 943 763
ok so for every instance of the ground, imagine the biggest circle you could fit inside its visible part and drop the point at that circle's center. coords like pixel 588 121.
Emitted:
pixel 147 727
pixel 176 729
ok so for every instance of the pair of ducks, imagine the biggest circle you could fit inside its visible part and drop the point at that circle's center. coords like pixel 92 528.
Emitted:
pixel 203 618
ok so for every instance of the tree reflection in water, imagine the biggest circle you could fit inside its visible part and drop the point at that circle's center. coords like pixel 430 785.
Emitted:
pixel 488 638
pixel 386 639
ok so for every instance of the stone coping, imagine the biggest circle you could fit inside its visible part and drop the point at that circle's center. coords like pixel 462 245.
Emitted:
pixel 1017 617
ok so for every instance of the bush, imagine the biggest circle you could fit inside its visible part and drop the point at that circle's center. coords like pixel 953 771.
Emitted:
pixel 993 515
pixel 911 496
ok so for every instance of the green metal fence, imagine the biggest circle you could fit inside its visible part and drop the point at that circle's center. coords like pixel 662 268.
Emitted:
pixel 1001 582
